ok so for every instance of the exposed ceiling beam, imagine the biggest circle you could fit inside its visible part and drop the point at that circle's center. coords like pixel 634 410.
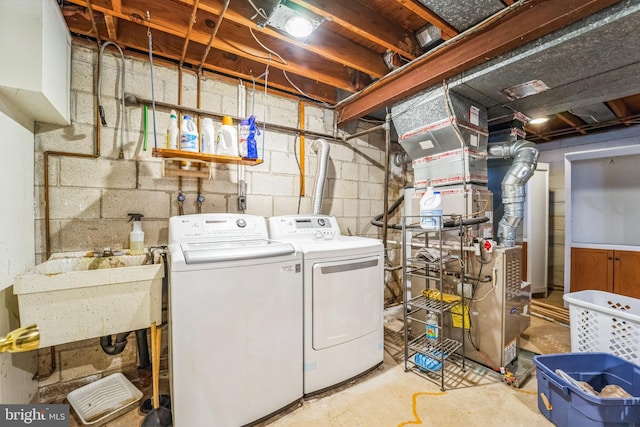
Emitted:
pixel 513 27
pixel 306 65
pixel 350 15
pixel 446 29
pixel 170 47
pixel 572 121
pixel 324 42
pixel 620 109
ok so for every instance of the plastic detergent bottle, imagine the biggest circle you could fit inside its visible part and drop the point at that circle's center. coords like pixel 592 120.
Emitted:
pixel 227 141
pixel 430 210
pixel 208 137
pixel 173 131
pixel 136 237
pixel 432 326
pixel 188 135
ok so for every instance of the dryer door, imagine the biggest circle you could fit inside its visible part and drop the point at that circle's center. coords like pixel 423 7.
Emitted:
pixel 347 300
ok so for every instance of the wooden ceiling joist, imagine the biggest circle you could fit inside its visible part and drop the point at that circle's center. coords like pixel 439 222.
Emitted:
pixel 307 66
pixel 620 109
pixel 446 29
pixel 350 15
pixel 512 28
pixel 322 42
pixel 111 21
pixel 572 121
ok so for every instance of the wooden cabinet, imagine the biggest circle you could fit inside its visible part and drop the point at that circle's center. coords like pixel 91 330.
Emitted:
pixel 607 270
pixel 626 273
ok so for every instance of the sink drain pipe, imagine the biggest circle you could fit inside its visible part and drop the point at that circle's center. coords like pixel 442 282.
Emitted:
pixel 113 348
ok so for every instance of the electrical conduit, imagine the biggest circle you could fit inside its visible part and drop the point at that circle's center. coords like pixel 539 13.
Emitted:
pixel 122 80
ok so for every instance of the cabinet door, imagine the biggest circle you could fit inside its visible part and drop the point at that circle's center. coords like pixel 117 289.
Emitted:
pixel 591 269
pixel 626 273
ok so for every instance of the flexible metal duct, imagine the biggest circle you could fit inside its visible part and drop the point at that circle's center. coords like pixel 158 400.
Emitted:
pixel 322 146
pixel 525 155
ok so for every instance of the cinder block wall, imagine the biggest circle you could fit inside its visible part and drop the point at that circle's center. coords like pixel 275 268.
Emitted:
pixel 89 198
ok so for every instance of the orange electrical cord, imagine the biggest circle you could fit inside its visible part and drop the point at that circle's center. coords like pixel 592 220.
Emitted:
pixel 414 399
pixel 301 120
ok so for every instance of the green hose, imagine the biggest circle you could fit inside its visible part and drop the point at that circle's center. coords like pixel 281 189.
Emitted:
pixel 146 125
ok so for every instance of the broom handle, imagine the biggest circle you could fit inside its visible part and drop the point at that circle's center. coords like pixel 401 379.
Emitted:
pixel 155 368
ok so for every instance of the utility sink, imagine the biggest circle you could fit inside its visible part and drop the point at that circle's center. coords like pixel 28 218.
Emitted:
pixel 75 296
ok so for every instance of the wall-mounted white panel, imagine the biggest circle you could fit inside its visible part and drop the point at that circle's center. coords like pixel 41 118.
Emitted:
pixel 17 249
pixel 35 45
pixel 605 200
pixel 17 244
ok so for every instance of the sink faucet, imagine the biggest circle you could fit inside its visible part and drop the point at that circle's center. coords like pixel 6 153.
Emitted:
pixel 107 251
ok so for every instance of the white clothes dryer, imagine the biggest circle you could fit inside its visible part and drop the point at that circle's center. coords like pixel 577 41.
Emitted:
pixel 343 299
pixel 235 321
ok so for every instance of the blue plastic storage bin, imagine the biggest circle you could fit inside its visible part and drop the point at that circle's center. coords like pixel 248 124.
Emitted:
pixel 569 406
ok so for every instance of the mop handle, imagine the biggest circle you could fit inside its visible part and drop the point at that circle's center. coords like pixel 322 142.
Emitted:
pixel 153 98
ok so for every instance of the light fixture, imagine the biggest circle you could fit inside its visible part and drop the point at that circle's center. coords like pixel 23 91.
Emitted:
pixel 293 19
pixel 298 26
pixel 538 120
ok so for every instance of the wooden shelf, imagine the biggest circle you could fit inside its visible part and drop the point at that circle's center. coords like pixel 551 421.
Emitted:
pixel 203 157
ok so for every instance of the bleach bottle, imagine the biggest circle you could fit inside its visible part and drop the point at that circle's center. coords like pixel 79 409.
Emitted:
pixel 188 135
pixel 430 210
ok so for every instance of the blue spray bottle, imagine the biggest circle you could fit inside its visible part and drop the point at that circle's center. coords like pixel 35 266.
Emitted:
pixel 252 146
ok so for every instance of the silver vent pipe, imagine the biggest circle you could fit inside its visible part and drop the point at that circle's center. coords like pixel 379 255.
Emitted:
pixel 322 146
pixel 525 159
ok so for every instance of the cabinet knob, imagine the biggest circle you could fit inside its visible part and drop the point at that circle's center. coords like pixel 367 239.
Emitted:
pixel 617 259
pixel 610 258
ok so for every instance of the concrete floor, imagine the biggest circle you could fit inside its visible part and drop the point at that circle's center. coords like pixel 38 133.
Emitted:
pixel 389 396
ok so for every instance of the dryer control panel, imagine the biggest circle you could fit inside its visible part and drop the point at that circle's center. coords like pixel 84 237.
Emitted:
pixel 308 227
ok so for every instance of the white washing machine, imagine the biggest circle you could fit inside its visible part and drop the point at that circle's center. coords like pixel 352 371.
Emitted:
pixel 343 298
pixel 235 321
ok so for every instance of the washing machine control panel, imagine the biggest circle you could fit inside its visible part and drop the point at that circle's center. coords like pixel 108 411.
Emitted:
pixel 213 227
pixel 311 227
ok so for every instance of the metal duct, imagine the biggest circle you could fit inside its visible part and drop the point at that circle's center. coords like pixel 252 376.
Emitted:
pixel 525 155
pixel 322 146
pixel 426 123
pixel 446 137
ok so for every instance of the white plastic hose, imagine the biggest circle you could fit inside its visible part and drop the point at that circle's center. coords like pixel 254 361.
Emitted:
pixel 322 146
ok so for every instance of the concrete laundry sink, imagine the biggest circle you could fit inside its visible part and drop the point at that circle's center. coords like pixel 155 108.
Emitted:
pixel 73 296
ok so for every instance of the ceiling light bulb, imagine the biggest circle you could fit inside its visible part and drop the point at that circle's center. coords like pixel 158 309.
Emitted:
pixel 298 26
pixel 538 120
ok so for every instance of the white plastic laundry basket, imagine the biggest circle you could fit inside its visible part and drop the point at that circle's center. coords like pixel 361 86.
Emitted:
pixel 605 322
